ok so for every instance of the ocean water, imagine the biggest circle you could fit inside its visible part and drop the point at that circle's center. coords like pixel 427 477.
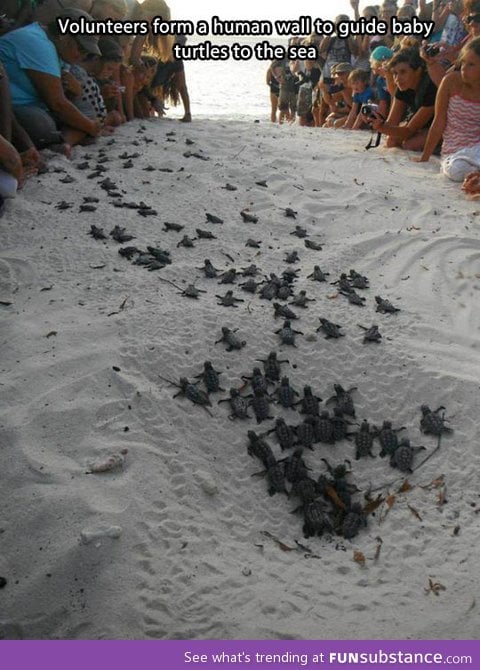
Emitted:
pixel 236 89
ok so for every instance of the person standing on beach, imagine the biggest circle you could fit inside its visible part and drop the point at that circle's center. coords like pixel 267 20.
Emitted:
pixel 457 117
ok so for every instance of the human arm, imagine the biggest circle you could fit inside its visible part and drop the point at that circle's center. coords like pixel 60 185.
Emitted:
pixel 10 160
pixel 71 85
pixel 354 5
pixel 401 133
pixel 137 48
pixel 439 124
pixel 51 92
pixel 352 116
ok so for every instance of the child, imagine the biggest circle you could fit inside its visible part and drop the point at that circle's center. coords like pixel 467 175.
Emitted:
pixel 457 117
pixel 287 101
pixel 383 81
pixel 338 96
pixel 362 93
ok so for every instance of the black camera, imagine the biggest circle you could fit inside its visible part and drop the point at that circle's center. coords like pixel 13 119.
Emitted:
pixel 432 50
pixel 369 109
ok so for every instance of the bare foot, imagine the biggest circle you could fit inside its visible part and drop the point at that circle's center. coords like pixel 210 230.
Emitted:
pixel 64 149
pixel 186 119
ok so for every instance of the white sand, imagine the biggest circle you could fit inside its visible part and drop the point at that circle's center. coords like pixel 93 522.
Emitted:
pixel 192 560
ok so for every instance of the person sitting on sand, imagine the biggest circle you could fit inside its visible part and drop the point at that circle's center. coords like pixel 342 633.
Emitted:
pixel 31 56
pixel 362 94
pixel 413 104
pixel 383 83
pixel 457 117
pixel 338 96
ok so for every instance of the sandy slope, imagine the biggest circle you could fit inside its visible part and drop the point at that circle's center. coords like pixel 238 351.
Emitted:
pixel 192 560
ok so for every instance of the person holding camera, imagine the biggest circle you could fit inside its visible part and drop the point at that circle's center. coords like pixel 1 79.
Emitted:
pixel 457 117
pixel 413 104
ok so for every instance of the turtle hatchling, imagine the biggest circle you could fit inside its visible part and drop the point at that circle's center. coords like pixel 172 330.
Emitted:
pixel 271 365
pixel 358 281
pixel 231 340
pixel 318 275
pixel 253 243
pixel 433 423
pixel 186 242
pixel 257 380
pixel 228 277
pixel 295 468
pixel 385 306
pixel 260 404
pixel 300 232
pixel 175 227
pixel 193 393
pixel 238 405
pixel 402 457
pixel 205 234
pixel 286 394
pixel 211 218
pixel 388 438
pixel 208 269
pixel 343 399
pixel 305 433
pixel 250 271
pixel 364 441
pixel 290 213
pixel 323 428
pixel 287 334
pixel 284 434
pixel 284 311
pixel 292 257
pixel 305 489
pixel 191 291
pixel 316 520
pixel 312 245
pixel 331 330
pixel 354 519
pixel 248 218
pixel 343 283
pixel 119 235
pixel 310 403
pixel 228 300
pixel 259 448
pixel 250 286
pixel 354 298
pixel 372 334
pixel 340 425
pixel 301 300
pixel 210 378
pixel 97 233
pixel 276 479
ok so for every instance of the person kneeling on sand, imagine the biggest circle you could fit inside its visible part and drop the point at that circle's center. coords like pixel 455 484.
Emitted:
pixel 413 104
pixel 362 94
pixel 31 56
pixel 338 96
pixel 457 118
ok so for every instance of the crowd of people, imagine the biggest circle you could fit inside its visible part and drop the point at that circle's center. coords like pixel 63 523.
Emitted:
pixel 57 91
pixel 420 96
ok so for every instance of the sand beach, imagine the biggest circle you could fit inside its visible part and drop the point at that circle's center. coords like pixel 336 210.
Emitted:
pixel 179 541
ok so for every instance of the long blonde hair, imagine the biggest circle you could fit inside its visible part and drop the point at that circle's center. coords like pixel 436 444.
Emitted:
pixel 158 45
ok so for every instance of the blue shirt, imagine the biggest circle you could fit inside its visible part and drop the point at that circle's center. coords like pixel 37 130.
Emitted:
pixel 362 98
pixel 28 48
pixel 381 91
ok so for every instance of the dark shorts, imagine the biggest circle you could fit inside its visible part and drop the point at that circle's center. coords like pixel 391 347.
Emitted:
pixel 287 101
pixel 39 124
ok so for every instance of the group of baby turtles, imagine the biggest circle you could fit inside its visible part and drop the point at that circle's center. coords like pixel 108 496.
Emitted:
pixel 326 503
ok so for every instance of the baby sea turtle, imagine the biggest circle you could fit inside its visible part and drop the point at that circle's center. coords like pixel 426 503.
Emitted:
pixel 372 334
pixel 312 245
pixel 287 334
pixel 402 457
pixel 285 393
pixel 257 380
pixel 229 187
pixel 208 269
pixel 343 399
pixel 97 233
pixel 305 432
pixel 238 405
pixel 186 242
pixel 272 365
pixel 306 490
pixel 193 393
pixel 292 257
pixel 295 468
pixel 343 283
pixel 340 425
pixel 250 286
pixel 269 290
pixel 205 234
pixel 231 340
pixel 310 403
pixel 250 271
pixel 161 255
pixel 211 218
pixel 433 423
pixel 129 252
pixel 175 227
pixel 315 519
pixel 331 330
pixel 358 281
pixel 191 291
pixel 276 479
pixel 119 235
pixel 253 243
pixel 259 448
pixel 301 300
pixel 262 182
pixel 228 277
pixel 260 404
pixel 385 306
pixel 210 378
pixel 284 434
pixel 248 218
pixel 318 275
pixel 284 291
pixel 290 213
pixel 300 232
pixel 388 438
pixel 283 311
pixel 63 204
pixel 323 428
pixel 364 441
pixel 87 208
pixel 90 199
pixel 354 519
pixel 228 300
pixel 289 274
pixel 354 298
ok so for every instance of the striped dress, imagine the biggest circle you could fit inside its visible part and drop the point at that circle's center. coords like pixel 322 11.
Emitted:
pixel 463 125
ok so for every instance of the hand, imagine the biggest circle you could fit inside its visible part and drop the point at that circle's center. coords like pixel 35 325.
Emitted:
pixel 71 85
pixel 11 161
pixel 354 4
pixel 420 159
pixel 95 128
pixel 471 184
pixel 377 122
pixel 109 90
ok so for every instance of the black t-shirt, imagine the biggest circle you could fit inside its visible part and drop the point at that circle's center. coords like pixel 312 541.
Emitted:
pixel 424 96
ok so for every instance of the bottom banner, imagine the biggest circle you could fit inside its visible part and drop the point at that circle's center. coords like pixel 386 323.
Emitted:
pixel 258 655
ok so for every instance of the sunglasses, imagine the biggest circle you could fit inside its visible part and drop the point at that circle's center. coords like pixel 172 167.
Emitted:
pixel 473 18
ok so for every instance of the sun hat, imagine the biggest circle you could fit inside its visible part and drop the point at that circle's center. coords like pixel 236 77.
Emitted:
pixel 340 68
pixel 381 53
